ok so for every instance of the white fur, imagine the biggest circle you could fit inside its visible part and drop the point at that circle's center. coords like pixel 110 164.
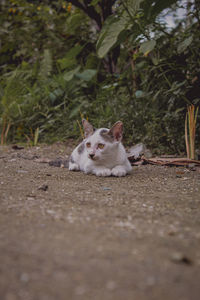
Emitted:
pixel 109 161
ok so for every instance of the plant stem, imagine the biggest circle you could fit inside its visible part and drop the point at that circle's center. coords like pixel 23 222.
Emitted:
pixel 3 130
pixel 7 130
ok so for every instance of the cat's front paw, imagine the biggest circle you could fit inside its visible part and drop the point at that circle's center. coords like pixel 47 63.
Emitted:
pixel 74 167
pixel 103 172
pixel 118 171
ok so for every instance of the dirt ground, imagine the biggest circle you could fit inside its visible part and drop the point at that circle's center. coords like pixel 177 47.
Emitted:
pixel 66 235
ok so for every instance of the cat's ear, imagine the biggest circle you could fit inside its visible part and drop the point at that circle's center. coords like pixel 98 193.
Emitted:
pixel 116 132
pixel 88 128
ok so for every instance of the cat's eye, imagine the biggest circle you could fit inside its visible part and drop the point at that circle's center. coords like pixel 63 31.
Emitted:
pixel 101 146
pixel 88 145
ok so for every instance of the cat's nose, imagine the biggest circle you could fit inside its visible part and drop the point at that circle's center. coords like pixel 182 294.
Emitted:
pixel 91 155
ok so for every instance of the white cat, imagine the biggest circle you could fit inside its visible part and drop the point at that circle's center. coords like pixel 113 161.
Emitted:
pixel 101 152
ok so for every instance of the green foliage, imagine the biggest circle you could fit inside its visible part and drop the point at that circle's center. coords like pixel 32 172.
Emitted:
pixel 46 65
pixel 110 34
pixel 57 61
pixel 147 47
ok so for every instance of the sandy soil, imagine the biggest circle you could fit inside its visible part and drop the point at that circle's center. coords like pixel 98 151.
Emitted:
pixel 65 235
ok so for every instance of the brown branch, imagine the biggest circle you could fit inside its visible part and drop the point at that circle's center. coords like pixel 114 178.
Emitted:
pixel 106 7
pixel 89 10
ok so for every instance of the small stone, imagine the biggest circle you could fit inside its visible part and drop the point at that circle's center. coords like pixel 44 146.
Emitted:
pixel 43 187
pixel 178 257
pixel 10 296
pixel 22 171
pixel 178 176
pixel 30 198
pixel 80 290
pixel 24 277
pixel 51 212
pixel 17 147
pixel 191 167
pixel 106 189
pixel 111 285
pixel 171 233
pixel 151 281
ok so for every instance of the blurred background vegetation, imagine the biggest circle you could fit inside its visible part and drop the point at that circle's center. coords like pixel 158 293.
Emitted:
pixel 133 60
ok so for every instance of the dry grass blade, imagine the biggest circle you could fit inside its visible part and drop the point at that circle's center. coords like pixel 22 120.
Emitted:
pixel 36 136
pixel 186 138
pixel 79 125
pixel 5 130
pixel 81 130
pixel 190 121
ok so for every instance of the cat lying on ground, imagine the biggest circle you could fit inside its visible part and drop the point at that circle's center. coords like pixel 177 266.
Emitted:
pixel 101 152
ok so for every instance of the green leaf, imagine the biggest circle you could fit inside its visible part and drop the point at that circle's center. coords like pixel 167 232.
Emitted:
pixel 94 2
pixel 70 75
pixel 183 45
pixel 87 75
pixel 115 27
pixel 66 63
pixel 139 94
pixel 110 33
pixel 133 6
pixel 159 6
pixel 147 47
pixel 152 8
pixel 56 94
pixel 46 64
pixel 76 110
pixel 73 22
pixel 70 58
pixel 92 61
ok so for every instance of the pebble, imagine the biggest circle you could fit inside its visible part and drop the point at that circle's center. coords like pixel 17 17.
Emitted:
pixel 111 285
pixel 24 277
pixel 106 189
pixel 80 290
pixel 179 257
pixel 43 187
pixel 10 296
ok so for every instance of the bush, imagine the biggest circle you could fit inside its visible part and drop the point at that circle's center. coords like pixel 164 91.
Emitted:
pixel 51 72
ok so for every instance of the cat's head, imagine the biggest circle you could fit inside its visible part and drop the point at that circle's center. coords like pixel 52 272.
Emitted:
pixel 101 143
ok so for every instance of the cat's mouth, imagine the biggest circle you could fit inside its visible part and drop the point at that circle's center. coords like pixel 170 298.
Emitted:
pixel 92 156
